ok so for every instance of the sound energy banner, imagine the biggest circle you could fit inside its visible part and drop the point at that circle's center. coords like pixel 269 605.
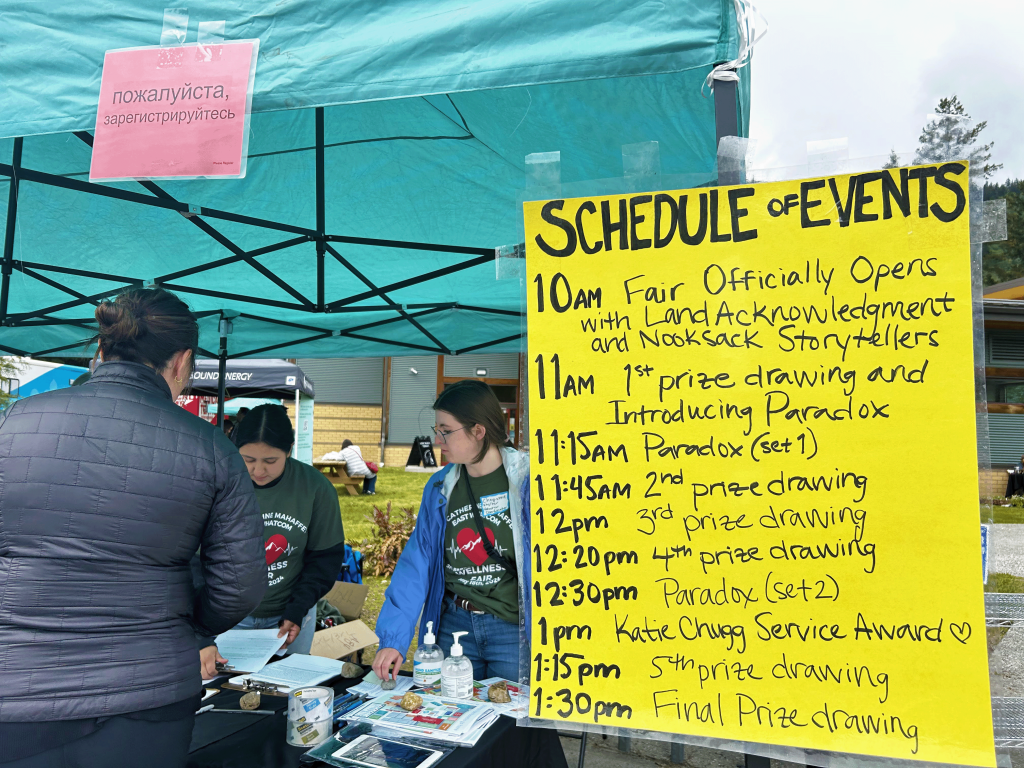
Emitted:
pixel 755 489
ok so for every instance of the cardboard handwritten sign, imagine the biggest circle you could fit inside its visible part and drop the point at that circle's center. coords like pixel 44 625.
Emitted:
pixel 174 112
pixel 339 641
pixel 730 390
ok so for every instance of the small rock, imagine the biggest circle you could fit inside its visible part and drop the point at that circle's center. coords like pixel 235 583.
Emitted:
pixel 411 702
pixel 350 670
pixel 250 700
pixel 498 693
pixel 388 685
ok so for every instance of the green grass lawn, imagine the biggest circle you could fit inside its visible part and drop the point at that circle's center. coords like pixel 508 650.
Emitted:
pixel 402 489
pixel 1004 515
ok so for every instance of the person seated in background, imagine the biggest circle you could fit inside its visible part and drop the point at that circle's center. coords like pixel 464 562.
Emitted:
pixel 356 467
pixel 241 414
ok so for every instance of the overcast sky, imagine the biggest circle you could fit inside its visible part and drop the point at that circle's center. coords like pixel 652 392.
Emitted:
pixel 871 70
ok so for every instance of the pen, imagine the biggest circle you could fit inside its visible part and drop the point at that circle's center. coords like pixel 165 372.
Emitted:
pixel 211 708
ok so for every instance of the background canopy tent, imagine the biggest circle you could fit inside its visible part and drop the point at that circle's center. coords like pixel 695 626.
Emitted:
pixel 251 378
pixel 387 149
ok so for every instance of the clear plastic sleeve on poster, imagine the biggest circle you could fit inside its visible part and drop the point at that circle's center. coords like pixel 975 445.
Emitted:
pixel 642 174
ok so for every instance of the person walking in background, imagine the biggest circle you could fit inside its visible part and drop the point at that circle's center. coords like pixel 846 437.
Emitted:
pixel 108 490
pixel 304 538
pixel 356 467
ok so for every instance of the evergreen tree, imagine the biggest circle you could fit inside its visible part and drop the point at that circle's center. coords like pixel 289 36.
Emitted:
pixel 1004 261
pixel 950 135
pixel 894 159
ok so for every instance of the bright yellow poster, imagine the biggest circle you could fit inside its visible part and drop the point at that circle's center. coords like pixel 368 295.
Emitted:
pixel 755 489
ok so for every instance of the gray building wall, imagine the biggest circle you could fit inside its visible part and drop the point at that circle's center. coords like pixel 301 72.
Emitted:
pixel 412 394
pixel 348 380
pixel 499 366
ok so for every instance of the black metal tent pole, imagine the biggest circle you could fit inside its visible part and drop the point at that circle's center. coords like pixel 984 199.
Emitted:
pixel 222 368
pixel 161 199
pixel 12 217
pixel 321 211
pixel 75 185
pixel 726 123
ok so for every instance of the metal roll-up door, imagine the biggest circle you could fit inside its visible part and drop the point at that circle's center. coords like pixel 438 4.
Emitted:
pixel 1006 438
pixel 346 380
pixel 412 395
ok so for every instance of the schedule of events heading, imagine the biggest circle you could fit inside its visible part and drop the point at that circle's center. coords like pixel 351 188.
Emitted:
pixel 754 465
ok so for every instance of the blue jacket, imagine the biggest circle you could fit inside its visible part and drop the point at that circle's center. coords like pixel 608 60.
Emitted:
pixel 418 581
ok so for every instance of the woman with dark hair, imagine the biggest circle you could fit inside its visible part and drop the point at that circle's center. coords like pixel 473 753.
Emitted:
pixel 108 489
pixel 459 579
pixel 356 467
pixel 303 533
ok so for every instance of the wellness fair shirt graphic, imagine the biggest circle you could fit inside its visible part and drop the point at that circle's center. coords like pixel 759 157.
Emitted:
pixel 730 391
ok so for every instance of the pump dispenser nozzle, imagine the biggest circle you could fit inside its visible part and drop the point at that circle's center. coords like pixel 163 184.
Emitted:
pixel 429 638
pixel 456 647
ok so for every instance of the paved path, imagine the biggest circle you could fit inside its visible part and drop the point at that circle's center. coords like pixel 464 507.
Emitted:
pixel 1007 549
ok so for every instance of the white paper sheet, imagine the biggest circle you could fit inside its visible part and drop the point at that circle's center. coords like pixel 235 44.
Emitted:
pixel 296 671
pixel 248 650
pixel 371 685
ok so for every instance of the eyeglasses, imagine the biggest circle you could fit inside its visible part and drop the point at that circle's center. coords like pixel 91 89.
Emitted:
pixel 444 435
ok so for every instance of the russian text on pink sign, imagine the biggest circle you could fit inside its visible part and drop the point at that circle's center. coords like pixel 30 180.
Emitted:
pixel 174 112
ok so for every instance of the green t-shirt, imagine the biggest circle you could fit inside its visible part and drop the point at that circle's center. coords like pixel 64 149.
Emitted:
pixel 469 571
pixel 300 512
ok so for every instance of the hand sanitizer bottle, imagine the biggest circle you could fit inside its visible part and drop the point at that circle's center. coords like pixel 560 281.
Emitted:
pixel 426 662
pixel 457 673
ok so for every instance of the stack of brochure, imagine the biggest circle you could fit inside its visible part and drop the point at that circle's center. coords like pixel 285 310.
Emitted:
pixel 520 695
pixel 452 721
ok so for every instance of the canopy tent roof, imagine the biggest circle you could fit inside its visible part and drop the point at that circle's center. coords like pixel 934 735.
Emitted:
pixel 250 378
pixel 386 155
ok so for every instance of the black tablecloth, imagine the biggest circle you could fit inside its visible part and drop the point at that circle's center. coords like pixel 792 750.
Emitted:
pixel 227 740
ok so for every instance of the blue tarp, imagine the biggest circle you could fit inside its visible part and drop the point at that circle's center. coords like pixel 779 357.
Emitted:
pixel 429 109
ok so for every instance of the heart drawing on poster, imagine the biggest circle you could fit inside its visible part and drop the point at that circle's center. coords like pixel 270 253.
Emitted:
pixel 275 547
pixel 471 545
pixel 961 632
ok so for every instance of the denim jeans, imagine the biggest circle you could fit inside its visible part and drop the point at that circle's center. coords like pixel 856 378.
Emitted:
pixel 370 484
pixel 492 644
pixel 301 644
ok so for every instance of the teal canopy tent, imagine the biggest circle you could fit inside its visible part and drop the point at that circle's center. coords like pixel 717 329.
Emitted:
pixel 386 154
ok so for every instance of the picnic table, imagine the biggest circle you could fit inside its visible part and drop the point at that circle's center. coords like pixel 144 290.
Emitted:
pixel 336 473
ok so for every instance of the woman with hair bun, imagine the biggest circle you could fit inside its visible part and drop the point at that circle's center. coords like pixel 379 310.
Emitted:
pixel 109 489
pixel 304 539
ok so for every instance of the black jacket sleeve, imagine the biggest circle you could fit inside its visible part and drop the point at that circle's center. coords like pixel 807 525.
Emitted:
pixel 320 569
pixel 233 564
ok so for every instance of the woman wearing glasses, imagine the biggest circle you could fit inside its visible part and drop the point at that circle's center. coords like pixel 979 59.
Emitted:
pixel 461 580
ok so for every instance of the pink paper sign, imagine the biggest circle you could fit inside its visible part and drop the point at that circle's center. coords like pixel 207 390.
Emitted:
pixel 175 112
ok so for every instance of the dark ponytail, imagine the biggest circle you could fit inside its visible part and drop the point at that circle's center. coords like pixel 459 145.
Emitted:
pixel 472 402
pixel 268 424
pixel 146 325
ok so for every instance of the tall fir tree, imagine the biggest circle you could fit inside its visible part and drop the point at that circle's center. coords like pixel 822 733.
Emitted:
pixel 894 159
pixel 950 135
pixel 1004 260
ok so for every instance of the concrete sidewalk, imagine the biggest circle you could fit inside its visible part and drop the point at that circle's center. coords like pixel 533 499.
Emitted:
pixel 603 752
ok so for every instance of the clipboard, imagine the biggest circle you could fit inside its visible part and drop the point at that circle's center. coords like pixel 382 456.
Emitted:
pixel 264 689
